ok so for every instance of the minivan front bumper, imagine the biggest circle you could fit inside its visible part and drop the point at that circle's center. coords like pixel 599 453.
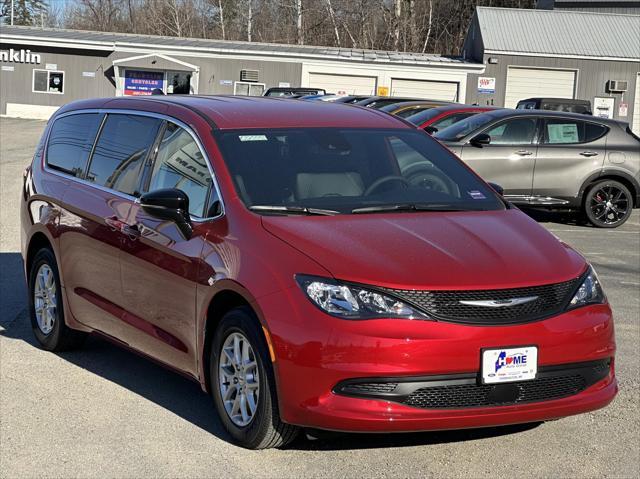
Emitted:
pixel 317 355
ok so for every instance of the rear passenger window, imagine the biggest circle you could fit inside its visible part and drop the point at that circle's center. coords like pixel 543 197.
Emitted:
pixel 121 150
pixel 565 131
pixel 180 164
pixel 592 132
pixel 70 142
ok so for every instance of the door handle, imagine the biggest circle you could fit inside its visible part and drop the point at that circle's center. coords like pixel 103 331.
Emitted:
pixel 589 153
pixel 132 231
pixel 524 153
pixel 114 223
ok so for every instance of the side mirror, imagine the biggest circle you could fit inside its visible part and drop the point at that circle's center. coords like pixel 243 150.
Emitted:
pixel 430 129
pixel 497 188
pixel 480 140
pixel 169 204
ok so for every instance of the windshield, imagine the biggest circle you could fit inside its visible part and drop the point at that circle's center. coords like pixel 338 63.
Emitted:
pixel 459 130
pixel 327 170
pixel 418 118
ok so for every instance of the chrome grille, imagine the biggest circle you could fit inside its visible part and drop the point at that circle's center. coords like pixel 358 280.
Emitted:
pixel 447 305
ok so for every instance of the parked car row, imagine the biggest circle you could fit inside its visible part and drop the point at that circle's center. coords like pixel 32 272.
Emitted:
pixel 547 153
pixel 318 267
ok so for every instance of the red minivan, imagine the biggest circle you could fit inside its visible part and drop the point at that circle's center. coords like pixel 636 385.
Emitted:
pixel 310 265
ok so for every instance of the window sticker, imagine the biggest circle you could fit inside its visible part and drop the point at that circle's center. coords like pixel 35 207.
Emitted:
pixel 476 195
pixel 563 133
pixel 253 138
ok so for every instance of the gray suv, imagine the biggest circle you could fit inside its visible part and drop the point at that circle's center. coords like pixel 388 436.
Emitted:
pixel 554 160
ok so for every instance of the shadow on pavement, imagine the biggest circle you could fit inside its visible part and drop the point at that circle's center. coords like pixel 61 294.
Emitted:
pixel 561 217
pixel 334 441
pixel 182 396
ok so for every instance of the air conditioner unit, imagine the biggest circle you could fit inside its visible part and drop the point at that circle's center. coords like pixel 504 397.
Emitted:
pixel 617 86
pixel 249 75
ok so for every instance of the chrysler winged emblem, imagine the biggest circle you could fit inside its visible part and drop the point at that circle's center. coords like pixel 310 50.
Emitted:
pixel 500 303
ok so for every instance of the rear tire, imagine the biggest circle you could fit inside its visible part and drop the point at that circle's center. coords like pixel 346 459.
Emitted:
pixel 243 384
pixel 46 306
pixel 608 204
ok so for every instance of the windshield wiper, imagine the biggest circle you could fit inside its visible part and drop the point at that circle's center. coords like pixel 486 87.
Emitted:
pixel 293 210
pixel 405 207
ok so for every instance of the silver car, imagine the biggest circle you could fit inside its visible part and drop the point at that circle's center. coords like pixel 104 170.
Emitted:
pixel 554 160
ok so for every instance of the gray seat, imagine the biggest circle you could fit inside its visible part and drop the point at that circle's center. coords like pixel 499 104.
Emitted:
pixel 315 185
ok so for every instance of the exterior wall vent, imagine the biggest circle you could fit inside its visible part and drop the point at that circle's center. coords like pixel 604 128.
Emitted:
pixel 249 75
pixel 617 86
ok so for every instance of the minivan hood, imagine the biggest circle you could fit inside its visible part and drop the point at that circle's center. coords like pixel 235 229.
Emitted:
pixel 441 250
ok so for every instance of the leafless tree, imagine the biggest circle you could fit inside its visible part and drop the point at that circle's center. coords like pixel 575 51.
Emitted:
pixel 428 26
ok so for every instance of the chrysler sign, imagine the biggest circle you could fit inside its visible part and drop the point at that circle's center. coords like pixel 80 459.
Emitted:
pixel 19 56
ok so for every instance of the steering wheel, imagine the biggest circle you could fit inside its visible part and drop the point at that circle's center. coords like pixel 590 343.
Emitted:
pixel 385 179
pixel 427 177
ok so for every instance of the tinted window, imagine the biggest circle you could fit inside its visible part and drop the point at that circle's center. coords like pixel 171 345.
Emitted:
pixel 121 151
pixel 421 117
pixel 411 111
pixel 567 131
pixel 517 131
pixel 447 121
pixel 71 141
pixel 459 130
pixel 526 105
pixel 180 164
pixel 347 169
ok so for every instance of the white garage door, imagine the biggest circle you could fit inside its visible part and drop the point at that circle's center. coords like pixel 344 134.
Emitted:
pixel 431 90
pixel 343 84
pixel 636 108
pixel 538 82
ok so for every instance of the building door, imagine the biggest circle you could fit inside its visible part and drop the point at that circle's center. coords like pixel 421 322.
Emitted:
pixel 344 84
pixel 636 108
pixel 428 89
pixel 525 83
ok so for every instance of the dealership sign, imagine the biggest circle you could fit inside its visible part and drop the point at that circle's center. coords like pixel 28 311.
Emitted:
pixel 140 82
pixel 486 85
pixel 19 56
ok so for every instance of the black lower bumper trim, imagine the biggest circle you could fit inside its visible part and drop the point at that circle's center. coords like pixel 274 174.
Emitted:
pixel 457 391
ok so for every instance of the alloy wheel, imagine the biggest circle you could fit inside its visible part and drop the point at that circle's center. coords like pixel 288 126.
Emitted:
pixel 239 379
pixel 609 204
pixel 45 299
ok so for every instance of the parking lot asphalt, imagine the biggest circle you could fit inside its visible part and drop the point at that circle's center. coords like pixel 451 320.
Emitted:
pixel 104 412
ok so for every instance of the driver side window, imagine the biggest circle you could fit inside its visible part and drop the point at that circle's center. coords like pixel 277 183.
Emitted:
pixel 516 131
pixel 180 164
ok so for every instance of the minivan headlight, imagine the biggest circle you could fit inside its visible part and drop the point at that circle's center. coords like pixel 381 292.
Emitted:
pixel 589 292
pixel 350 301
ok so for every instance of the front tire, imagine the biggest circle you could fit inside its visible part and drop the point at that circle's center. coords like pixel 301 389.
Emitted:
pixel 243 383
pixel 46 306
pixel 608 204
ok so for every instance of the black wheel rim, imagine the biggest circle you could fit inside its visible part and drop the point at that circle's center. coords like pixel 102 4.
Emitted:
pixel 609 205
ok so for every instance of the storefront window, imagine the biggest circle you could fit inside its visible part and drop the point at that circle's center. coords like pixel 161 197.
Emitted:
pixel 47 81
pixel 248 88
pixel 178 83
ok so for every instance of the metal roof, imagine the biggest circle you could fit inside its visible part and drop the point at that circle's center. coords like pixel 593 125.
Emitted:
pixel 560 33
pixel 114 41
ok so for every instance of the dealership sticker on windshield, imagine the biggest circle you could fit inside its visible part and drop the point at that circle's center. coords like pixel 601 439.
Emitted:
pixel 509 364
pixel 476 195
pixel 253 138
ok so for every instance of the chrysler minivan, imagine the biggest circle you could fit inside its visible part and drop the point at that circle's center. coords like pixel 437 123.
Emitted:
pixel 311 265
